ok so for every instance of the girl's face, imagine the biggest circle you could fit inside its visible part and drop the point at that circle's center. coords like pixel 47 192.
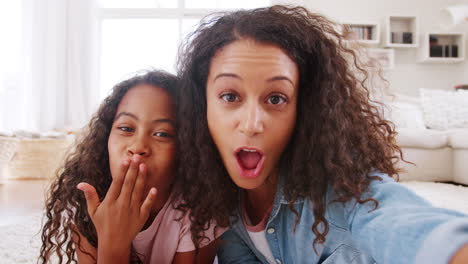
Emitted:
pixel 144 126
pixel 251 108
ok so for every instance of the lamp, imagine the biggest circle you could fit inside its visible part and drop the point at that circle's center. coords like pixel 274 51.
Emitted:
pixel 454 15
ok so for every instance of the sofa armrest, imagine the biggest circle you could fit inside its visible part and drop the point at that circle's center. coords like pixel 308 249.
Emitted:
pixel 422 138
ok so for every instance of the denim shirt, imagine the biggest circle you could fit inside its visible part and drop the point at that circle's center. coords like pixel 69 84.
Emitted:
pixel 404 228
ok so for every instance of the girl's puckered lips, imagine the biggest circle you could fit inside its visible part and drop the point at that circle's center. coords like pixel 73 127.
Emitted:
pixel 250 161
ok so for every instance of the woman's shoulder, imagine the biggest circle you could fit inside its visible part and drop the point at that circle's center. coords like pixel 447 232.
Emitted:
pixel 381 191
pixel 379 182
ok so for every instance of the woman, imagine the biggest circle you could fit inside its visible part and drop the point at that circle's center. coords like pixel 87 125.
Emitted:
pixel 278 132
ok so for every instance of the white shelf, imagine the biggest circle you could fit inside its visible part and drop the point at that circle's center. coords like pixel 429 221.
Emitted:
pixel 401 32
pixel 443 46
pixel 443 60
pixel 362 32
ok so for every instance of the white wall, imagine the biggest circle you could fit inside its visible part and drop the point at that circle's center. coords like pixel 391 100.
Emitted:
pixel 408 74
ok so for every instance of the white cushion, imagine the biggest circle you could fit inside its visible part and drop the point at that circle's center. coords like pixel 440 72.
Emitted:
pixel 445 109
pixel 421 138
pixel 405 115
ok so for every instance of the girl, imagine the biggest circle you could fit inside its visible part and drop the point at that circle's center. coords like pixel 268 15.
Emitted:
pixel 279 133
pixel 125 167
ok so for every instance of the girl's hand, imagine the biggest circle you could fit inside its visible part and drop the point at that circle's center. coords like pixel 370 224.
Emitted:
pixel 122 213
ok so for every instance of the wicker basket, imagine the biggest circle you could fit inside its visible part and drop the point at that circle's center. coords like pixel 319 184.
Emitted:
pixel 37 158
pixel 8 147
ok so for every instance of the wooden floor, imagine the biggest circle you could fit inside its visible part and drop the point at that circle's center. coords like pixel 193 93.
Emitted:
pixel 21 198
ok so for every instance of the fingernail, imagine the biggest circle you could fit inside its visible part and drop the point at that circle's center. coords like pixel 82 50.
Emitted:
pixel 142 167
pixel 126 162
pixel 153 191
pixel 79 185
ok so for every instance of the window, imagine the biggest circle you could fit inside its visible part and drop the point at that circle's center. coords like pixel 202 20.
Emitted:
pixel 10 54
pixel 142 34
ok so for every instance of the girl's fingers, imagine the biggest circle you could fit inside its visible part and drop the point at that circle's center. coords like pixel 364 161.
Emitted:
pixel 117 181
pixel 91 196
pixel 145 208
pixel 129 181
pixel 137 195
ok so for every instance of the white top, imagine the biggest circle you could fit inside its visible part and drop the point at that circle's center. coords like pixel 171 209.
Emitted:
pixel 257 235
pixel 260 242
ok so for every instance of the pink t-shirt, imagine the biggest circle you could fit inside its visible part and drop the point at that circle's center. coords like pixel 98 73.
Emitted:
pixel 166 236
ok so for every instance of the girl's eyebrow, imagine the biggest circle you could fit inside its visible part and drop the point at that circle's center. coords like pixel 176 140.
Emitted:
pixel 164 120
pixel 161 120
pixel 126 114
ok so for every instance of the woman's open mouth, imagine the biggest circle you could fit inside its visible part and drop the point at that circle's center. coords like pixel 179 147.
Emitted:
pixel 250 161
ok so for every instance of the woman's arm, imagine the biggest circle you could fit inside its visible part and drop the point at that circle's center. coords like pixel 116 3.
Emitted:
pixel 206 254
pixel 405 228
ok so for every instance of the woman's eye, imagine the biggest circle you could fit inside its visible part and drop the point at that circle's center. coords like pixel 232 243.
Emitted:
pixel 229 97
pixel 126 129
pixel 276 99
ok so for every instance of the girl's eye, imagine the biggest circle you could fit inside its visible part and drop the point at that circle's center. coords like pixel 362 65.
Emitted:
pixel 230 97
pixel 276 99
pixel 162 134
pixel 126 129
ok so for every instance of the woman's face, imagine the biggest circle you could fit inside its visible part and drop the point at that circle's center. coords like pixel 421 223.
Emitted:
pixel 144 126
pixel 251 108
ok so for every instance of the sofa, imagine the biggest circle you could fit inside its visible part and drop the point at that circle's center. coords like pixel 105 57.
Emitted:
pixel 438 155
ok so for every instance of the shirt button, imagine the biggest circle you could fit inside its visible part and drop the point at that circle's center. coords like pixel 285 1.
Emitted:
pixel 271 231
pixel 278 261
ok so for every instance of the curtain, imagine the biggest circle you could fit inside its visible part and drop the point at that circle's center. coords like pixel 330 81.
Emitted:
pixel 55 86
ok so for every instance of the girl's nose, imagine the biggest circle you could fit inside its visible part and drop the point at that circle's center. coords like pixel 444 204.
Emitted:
pixel 139 147
pixel 251 121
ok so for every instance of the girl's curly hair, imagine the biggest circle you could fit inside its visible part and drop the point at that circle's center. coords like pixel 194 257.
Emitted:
pixel 66 208
pixel 339 138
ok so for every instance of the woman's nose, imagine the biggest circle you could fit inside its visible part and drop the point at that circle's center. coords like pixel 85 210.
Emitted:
pixel 251 121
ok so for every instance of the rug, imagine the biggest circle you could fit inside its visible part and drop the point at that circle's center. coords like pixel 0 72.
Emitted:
pixel 20 242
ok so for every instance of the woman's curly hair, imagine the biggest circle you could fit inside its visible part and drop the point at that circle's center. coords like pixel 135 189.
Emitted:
pixel 339 137
pixel 66 209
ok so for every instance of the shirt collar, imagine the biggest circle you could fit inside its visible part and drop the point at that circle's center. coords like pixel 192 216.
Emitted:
pixel 280 197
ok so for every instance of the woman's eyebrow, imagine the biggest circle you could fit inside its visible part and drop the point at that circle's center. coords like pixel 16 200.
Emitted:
pixel 227 75
pixel 280 78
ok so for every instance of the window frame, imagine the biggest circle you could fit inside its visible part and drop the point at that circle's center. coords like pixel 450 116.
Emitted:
pixel 179 13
